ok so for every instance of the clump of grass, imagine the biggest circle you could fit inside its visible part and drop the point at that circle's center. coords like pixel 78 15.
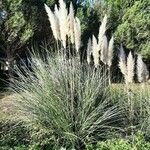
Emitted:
pixel 67 98
pixel 142 71
pixel 135 106
pixel 127 66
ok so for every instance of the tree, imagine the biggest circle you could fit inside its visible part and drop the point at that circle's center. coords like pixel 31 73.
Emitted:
pixel 133 31
pixel 15 30
pixel 129 20
pixel 25 19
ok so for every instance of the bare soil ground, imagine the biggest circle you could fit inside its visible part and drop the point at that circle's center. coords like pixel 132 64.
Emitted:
pixel 6 104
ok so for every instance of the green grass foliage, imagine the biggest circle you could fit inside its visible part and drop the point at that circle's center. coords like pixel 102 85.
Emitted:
pixel 67 98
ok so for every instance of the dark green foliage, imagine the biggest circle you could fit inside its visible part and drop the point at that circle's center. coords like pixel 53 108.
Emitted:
pixel 134 31
pixel 15 31
pixel 130 20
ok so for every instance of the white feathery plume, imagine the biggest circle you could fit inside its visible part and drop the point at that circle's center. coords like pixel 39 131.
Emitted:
pixel 89 50
pixel 122 63
pixel 63 22
pixel 146 72
pixel 110 51
pixel 56 11
pixel 71 23
pixel 142 72
pixel 130 68
pixel 104 49
pixel 77 33
pixel 102 28
pixel 53 21
pixel 95 51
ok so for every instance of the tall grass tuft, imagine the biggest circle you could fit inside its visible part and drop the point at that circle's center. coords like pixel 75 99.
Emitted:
pixel 135 106
pixel 127 67
pixel 66 98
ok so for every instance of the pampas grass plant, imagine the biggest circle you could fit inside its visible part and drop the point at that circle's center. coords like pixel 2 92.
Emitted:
pixel 56 11
pixel 102 40
pixel 101 49
pixel 110 57
pixel 122 63
pixel 142 72
pixel 71 23
pixel 130 68
pixel 77 33
pixel 66 98
pixel 102 29
pixel 127 67
pixel 67 25
pixel 95 51
pixel 110 52
pixel 54 22
pixel 104 49
pixel 89 50
pixel 63 20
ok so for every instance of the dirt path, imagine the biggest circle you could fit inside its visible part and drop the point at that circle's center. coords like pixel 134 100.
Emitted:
pixel 5 103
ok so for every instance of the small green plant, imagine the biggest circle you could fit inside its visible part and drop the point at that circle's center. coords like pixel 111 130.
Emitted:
pixel 13 134
pixel 21 147
pixel 139 143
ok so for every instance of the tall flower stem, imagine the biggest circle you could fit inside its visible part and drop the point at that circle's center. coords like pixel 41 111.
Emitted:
pixel 109 75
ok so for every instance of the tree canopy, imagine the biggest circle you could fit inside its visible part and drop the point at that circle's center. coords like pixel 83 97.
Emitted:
pixel 26 22
pixel 134 29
